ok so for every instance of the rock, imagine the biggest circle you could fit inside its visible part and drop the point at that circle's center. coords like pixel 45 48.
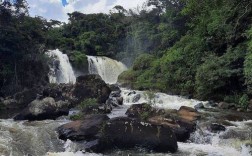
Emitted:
pixel 214 127
pixel 188 125
pixel 91 86
pixel 10 104
pixel 126 133
pixel 114 88
pixel 199 106
pixel 232 117
pixel 182 134
pixel 115 93
pixel 43 109
pixel 188 113
pixel 132 92
pixel 119 100
pixel 136 98
pixel 25 97
pixel 225 105
pixel 142 111
pixel 87 129
pixel 211 104
pixel 112 101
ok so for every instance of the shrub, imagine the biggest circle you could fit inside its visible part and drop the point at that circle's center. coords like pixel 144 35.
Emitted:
pixel 87 103
pixel 244 101
pixel 143 62
pixel 76 117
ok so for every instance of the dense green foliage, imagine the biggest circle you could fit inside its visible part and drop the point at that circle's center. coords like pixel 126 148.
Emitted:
pixel 212 60
pixel 22 62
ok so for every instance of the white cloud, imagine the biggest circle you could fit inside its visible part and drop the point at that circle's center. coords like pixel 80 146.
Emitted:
pixel 53 9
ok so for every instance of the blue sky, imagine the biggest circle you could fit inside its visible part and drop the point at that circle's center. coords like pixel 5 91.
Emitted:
pixel 53 9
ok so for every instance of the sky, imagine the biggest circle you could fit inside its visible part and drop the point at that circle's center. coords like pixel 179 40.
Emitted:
pixel 54 9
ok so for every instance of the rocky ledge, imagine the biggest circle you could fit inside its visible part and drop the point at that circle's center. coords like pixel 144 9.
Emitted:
pixel 122 132
pixel 55 100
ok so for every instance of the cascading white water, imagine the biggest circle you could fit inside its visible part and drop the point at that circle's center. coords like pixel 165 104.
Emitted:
pixel 107 68
pixel 61 70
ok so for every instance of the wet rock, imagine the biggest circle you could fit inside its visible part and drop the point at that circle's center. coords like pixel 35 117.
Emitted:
pixel 127 133
pixel 112 101
pixel 225 105
pixel 119 100
pixel 115 93
pixel 25 97
pixel 131 93
pixel 142 111
pixel 232 117
pixel 214 127
pixel 188 125
pixel 211 104
pixel 87 129
pixel 10 104
pixel 91 86
pixel 114 88
pixel 199 106
pixel 188 113
pixel 182 134
pixel 43 109
pixel 136 98
pixel 242 134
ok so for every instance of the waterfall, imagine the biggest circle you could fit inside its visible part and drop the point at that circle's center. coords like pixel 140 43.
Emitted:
pixel 61 70
pixel 107 68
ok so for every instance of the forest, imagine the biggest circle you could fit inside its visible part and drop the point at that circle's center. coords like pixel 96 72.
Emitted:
pixel 201 49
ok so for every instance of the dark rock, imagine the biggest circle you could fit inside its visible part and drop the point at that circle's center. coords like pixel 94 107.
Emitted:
pixel 188 125
pixel 91 86
pixel 232 117
pixel 136 98
pixel 182 134
pixel 142 111
pixel 25 97
pixel 225 105
pixel 112 101
pixel 87 129
pixel 114 88
pixel 97 109
pixel 126 133
pixel 132 92
pixel 214 127
pixel 43 109
pixel 211 104
pixel 10 104
pixel 115 93
pixel 199 106
pixel 119 100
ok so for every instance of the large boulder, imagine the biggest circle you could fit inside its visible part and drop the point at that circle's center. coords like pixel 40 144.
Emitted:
pixel 91 86
pixel 124 132
pixel 103 134
pixel 87 129
pixel 43 109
